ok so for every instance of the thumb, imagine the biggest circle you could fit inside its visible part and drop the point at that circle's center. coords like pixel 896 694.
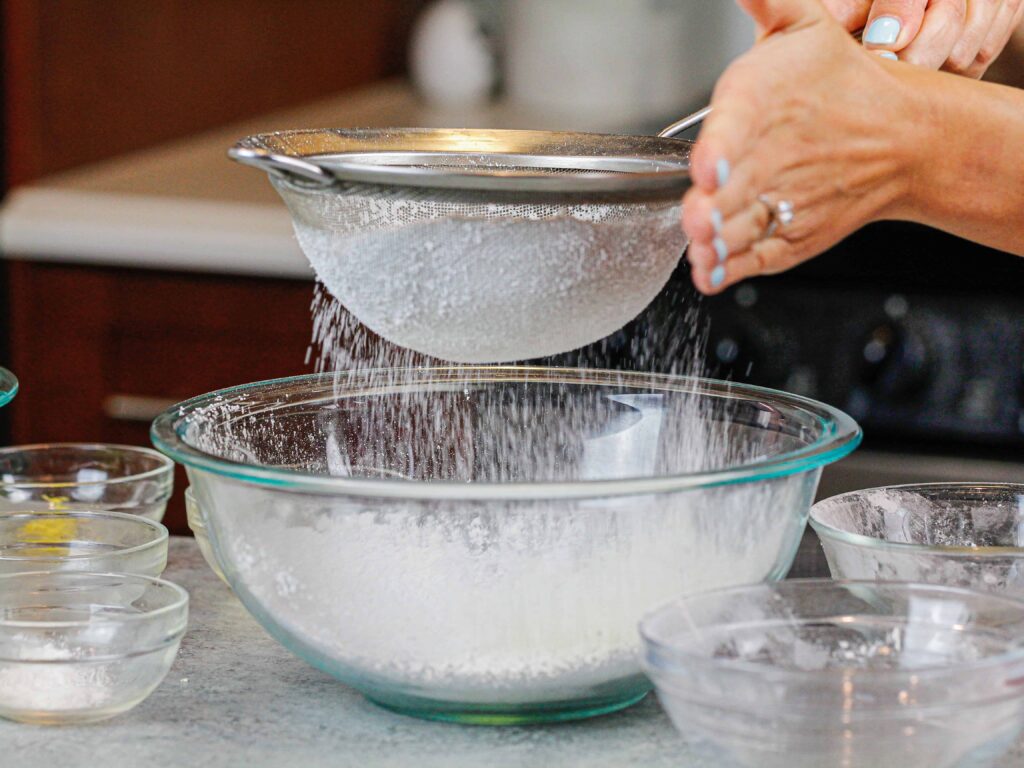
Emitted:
pixel 851 14
pixel 774 16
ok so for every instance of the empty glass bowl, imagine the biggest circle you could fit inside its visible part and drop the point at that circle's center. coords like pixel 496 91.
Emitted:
pixel 81 541
pixel 477 544
pixel 961 534
pixel 8 386
pixel 805 674
pixel 81 647
pixel 121 478
pixel 197 524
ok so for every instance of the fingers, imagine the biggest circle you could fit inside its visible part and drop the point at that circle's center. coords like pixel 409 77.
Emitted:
pixel 764 257
pixel 774 16
pixel 727 131
pixel 1007 19
pixel 893 24
pixel 716 238
pixel 981 14
pixel 942 27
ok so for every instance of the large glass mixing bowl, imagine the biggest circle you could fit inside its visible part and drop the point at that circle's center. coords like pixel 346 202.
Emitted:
pixel 477 544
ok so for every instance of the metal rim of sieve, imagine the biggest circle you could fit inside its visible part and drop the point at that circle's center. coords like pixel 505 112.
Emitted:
pixel 473 160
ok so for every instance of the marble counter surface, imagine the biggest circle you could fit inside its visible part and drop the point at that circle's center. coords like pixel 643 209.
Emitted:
pixel 236 698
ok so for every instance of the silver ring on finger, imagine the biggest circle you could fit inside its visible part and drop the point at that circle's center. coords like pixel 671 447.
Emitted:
pixel 780 215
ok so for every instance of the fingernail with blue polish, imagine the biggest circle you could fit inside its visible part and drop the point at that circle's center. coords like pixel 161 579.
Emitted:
pixel 716 221
pixel 885 30
pixel 721 249
pixel 717 276
pixel 888 55
pixel 722 169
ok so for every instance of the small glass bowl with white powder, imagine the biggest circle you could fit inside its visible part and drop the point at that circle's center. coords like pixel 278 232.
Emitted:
pixel 82 647
pixel 73 540
pixel 958 534
pixel 860 674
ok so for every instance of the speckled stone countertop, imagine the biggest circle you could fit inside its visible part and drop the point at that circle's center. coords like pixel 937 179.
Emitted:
pixel 236 698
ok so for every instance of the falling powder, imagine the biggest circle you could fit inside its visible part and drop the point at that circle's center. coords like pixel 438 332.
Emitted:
pixel 500 599
pixel 487 283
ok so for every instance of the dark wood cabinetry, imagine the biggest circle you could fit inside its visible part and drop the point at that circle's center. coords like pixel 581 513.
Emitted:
pixel 91 79
pixel 98 349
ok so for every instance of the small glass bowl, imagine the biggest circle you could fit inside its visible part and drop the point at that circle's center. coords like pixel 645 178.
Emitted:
pixel 959 534
pixel 81 647
pixel 197 524
pixel 82 541
pixel 121 478
pixel 8 386
pixel 811 673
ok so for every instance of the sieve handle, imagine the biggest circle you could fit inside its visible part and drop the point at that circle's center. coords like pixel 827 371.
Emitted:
pixel 685 124
pixel 291 168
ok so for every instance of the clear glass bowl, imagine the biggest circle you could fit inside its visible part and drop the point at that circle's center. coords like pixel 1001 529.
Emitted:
pixel 477 544
pixel 197 524
pixel 8 386
pixel 812 673
pixel 57 476
pixel 960 534
pixel 81 647
pixel 81 541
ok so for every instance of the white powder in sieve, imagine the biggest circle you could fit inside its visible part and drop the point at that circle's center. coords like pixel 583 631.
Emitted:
pixel 498 287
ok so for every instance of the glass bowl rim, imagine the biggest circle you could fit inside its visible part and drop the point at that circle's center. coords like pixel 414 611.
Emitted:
pixel 181 601
pixel 166 465
pixel 8 386
pixel 674 657
pixel 829 531
pixel 840 436
pixel 161 539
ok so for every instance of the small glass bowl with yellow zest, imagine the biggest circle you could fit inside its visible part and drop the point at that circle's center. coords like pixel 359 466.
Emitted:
pixel 85 476
pixel 75 540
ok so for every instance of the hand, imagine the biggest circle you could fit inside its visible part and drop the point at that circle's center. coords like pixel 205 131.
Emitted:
pixel 809 117
pixel 960 36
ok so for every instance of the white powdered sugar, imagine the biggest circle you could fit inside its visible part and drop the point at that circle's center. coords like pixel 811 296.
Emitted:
pixel 513 596
pixel 64 682
pixel 488 283
pixel 483 602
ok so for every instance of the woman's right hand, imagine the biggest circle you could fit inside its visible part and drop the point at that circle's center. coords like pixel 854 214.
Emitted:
pixel 959 36
pixel 807 118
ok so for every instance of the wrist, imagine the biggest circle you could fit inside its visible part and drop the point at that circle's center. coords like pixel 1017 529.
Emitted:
pixel 917 130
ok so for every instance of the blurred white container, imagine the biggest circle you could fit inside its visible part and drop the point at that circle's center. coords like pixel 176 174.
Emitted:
pixel 619 64
pixel 450 57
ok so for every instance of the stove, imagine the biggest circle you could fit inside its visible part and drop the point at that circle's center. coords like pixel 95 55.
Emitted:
pixel 917 334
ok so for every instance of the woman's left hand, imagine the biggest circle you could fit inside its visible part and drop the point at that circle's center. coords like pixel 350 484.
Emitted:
pixel 806 120
pixel 959 36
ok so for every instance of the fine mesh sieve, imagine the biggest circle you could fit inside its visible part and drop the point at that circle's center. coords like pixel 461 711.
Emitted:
pixel 483 245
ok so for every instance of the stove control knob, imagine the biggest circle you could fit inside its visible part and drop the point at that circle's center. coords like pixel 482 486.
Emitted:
pixel 895 362
pixel 734 354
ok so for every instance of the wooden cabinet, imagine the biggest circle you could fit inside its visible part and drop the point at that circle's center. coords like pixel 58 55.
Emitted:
pixel 91 79
pixel 97 350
